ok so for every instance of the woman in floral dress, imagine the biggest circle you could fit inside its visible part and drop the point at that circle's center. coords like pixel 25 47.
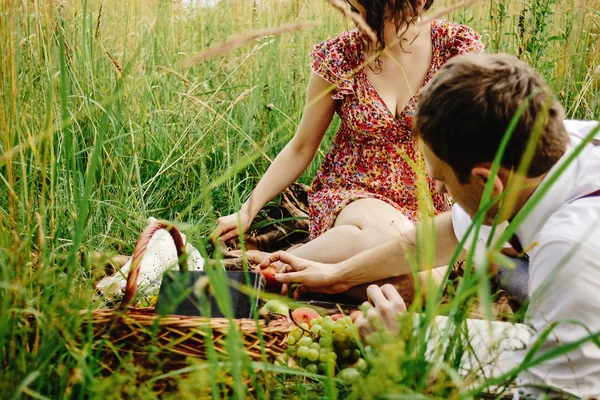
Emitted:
pixel 365 191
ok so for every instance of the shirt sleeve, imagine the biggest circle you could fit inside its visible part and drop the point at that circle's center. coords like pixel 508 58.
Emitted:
pixel 564 277
pixel 580 129
pixel 464 41
pixel 331 60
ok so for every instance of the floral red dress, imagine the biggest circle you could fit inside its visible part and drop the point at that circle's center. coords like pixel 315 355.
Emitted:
pixel 367 157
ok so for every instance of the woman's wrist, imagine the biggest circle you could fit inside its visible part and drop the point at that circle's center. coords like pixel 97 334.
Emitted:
pixel 248 209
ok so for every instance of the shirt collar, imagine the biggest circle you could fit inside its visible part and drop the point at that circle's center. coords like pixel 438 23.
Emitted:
pixel 558 194
pixel 577 180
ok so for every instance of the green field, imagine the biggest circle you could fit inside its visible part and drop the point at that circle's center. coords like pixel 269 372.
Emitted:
pixel 102 127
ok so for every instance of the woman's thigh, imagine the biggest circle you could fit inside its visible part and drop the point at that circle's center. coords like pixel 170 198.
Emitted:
pixel 383 222
pixel 374 214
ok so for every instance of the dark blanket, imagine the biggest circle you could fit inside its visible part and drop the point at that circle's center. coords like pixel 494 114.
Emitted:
pixel 284 224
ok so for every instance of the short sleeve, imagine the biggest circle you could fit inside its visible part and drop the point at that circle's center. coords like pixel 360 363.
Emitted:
pixel 464 40
pixel 564 276
pixel 332 60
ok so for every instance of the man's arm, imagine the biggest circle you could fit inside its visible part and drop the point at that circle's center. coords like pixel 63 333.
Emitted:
pixel 382 262
pixel 395 257
pixel 564 276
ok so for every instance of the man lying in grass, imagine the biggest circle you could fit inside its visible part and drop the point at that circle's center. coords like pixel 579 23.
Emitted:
pixel 546 191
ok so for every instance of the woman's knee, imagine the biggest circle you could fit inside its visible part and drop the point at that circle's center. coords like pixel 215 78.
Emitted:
pixel 350 232
pixel 374 214
pixel 363 238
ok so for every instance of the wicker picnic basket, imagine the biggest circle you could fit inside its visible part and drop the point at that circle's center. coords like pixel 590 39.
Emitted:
pixel 167 343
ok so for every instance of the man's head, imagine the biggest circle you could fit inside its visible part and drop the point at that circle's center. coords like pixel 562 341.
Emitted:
pixel 463 114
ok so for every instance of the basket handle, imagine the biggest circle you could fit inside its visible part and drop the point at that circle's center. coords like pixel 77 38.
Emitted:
pixel 140 249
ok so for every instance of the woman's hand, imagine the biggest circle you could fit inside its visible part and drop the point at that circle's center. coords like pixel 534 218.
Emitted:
pixel 312 276
pixel 290 163
pixel 383 309
pixel 227 227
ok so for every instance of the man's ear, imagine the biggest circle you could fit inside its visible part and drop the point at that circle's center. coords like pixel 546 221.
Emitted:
pixel 484 173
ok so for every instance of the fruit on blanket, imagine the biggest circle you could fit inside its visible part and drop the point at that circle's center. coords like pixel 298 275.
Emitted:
pixel 326 345
pixel 349 375
pixel 355 314
pixel 360 365
pixel 304 315
pixel 274 307
pixel 312 368
pixel 269 274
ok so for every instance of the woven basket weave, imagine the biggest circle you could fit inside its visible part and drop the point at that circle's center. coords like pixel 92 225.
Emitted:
pixel 167 343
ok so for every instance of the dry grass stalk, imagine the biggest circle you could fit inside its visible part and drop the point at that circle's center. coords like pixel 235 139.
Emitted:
pixel 243 39
pixel 66 44
pixel 67 51
pixel 445 11
pixel 204 104
pixel 97 35
pixel 356 18
pixel 115 62
pixel 177 74
pixel 241 96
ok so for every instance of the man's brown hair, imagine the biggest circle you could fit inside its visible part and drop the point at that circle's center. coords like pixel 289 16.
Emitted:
pixel 466 108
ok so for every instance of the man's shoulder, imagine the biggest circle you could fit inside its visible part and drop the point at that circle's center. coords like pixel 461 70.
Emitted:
pixel 579 127
pixel 574 223
pixel 566 255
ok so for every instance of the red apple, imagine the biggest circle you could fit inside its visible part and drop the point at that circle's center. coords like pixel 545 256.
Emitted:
pixel 269 274
pixel 304 314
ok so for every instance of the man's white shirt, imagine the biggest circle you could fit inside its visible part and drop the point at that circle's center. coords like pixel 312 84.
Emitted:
pixel 563 234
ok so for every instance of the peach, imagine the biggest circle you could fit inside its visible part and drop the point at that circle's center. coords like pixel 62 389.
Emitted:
pixel 335 317
pixel 355 314
pixel 304 314
pixel 269 274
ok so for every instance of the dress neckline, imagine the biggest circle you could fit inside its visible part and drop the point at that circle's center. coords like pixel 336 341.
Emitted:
pixel 411 101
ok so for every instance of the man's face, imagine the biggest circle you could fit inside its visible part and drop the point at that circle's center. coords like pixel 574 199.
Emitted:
pixel 467 195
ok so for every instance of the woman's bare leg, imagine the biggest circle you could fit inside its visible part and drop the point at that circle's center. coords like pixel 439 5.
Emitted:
pixel 360 226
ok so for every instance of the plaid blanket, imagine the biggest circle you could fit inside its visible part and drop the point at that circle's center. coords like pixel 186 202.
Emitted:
pixel 283 225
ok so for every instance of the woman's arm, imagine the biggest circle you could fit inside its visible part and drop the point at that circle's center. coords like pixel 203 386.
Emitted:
pixel 291 162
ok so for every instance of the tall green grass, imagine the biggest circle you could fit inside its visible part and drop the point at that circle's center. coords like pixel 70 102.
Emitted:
pixel 102 127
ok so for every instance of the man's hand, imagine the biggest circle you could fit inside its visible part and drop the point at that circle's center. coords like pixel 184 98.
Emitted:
pixel 312 276
pixel 384 307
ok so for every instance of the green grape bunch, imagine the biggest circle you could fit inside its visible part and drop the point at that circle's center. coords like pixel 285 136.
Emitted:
pixel 326 346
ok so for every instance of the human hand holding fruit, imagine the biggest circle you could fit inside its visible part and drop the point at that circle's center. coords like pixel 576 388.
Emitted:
pixel 312 276
pixel 268 273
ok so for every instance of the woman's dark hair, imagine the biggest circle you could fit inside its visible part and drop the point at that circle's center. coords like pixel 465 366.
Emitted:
pixel 402 12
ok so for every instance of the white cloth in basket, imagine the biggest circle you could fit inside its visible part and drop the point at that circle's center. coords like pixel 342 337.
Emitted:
pixel 160 256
